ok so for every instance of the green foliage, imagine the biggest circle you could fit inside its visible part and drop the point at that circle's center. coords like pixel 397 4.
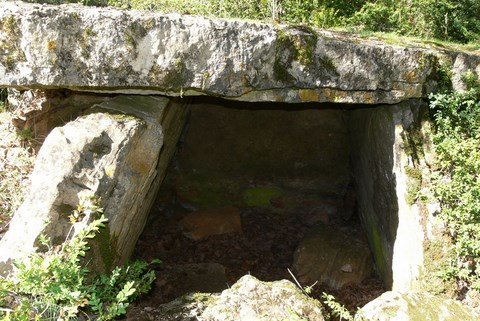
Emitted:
pixel 55 285
pixel 336 309
pixel 457 184
pixel 451 20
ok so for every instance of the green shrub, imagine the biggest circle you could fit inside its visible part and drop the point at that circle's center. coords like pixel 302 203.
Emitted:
pixel 457 184
pixel 55 285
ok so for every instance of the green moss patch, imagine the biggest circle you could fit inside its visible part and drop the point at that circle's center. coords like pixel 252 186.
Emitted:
pixel 261 196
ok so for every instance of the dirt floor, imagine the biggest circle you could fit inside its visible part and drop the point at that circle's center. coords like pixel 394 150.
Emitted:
pixel 264 249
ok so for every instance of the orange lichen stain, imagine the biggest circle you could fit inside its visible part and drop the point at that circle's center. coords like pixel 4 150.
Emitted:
pixel 308 95
pixel 51 45
pixel 368 98
pixel 410 76
pixel 328 94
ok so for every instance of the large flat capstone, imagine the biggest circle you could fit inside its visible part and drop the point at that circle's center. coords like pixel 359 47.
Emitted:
pixel 106 49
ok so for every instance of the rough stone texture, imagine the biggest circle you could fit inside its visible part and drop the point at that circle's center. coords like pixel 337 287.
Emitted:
pixel 269 157
pixel 414 306
pixel 202 224
pixel 329 256
pixel 252 300
pixel 387 152
pixel 247 300
pixel 133 51
pixel 114 157
pixel 37 112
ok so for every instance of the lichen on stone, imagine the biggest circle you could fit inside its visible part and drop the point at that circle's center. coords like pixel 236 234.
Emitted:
pixel 10 35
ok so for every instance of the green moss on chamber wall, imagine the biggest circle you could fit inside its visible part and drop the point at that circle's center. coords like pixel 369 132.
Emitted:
pixel 381 260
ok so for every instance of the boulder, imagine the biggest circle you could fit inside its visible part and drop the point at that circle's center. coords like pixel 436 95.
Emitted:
pixel 87 48
pixel 117 153
pixel 251 299
pixel 330 256
pixel 415 306
pixel 247 300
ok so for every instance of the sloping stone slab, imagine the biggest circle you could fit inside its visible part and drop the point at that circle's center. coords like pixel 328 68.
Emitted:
pixel 110 156
pixel 412 306
pixel 86 48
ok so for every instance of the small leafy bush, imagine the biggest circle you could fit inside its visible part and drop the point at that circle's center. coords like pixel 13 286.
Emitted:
pixel 457 183
pixel 54 285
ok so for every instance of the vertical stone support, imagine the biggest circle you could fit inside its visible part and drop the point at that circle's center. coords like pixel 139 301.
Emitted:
pixel 384 156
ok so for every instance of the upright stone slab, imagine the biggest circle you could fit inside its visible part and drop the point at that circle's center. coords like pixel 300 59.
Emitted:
pixel 387 155
pixel 117 153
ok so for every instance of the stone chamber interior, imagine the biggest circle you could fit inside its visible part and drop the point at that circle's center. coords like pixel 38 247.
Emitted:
pixel 261 189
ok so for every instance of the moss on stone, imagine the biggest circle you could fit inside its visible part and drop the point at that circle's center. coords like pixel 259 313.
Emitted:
pixel 299 46
pixel 414 184
pixel 10 52
pixel 106 247
pixel 328 65
pixel 378 251
pixel 172 79
pixel 261 196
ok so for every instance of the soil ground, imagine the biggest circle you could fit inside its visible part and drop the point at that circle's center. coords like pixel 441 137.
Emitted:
pixel 264 249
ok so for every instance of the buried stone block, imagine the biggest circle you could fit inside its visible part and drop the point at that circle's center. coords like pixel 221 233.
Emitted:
pixel 202 224
pixel 332 257
pixel 111 154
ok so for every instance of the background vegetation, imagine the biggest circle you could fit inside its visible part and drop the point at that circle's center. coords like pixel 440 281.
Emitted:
pixel 457 183
pixel 449 20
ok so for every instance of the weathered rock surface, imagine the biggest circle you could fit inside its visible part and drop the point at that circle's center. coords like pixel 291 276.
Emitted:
pixel 111 154
pixel 413 306
pixel 247 300
pixel 329 256
pixel 388 150
pixel 37 112
pixel 107 49
pixel 202 224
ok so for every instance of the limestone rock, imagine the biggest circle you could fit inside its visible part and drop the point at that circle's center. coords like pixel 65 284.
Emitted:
pixel 414 306
pixel 247 300
pixel 330 256
pixel 108 49
pixel 202 224
pixel 250 300
pixel 37 112
pixel 110 156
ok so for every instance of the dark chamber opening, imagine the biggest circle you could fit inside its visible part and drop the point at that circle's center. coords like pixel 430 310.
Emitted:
pixel 247 186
